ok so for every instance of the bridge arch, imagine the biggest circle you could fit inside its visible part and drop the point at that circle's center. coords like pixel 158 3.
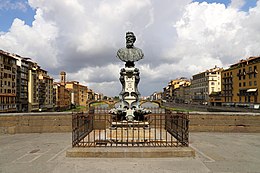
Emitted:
pixel 159 102
pixel 110 103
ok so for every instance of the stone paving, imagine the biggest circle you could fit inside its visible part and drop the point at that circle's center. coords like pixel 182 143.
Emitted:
pixel 44 153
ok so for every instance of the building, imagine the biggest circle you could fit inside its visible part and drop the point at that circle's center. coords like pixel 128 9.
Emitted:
pixel 182 94
pixel 25 87
pixel 169 92
pixel 204 84
pixel 8 72
pixel 33 84
pixel 91 94
pixel 241 84
pixel 79 94
pixel 61 97
pixel 45 91
pixel 166 94
pixel 156 96
pixel 22 84
pixel 83 95
pixel 73 87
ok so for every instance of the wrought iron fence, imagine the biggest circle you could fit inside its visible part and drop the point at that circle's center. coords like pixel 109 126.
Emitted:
pixel 98 128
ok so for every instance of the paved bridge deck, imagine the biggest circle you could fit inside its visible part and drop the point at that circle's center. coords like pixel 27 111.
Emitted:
pixel 45 152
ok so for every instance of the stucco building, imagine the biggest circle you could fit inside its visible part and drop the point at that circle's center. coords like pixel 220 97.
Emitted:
pixel 45 90
pixel 33 83
pixel 8 72
pixel 170 92
pixel 204 84
pixel 22 83
pixel 241 83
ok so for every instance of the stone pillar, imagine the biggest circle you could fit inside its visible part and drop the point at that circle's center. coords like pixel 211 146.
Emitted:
pixel 129 96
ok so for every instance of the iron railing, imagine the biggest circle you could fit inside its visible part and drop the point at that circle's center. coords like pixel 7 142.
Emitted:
pixel 161 128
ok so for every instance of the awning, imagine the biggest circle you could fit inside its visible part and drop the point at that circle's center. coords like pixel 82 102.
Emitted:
pixel 251 90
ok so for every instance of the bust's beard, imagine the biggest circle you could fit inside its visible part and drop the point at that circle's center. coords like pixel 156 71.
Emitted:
pixel 129 45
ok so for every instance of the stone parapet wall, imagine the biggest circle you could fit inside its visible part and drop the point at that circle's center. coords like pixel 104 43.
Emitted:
pixel 224 122
pixel 48 122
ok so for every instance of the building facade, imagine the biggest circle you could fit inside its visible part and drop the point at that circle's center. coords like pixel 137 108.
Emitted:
pixel 241 83
pixel 204 84
pixel 62 97
pixel 170 93
pixel 22 84
pixel 45 91
pixel 182 94
pixel 33 84
pixel 156 96
pixel 83 95
pixel 78 94
pixel 8 73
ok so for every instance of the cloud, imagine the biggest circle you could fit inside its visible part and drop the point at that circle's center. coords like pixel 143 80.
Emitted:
pixel 237 4
pixel 178 38
pixel 214 33
pixel 10 5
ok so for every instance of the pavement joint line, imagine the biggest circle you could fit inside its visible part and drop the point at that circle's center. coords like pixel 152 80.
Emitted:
pixel 30 161
pixel 202 154
pixel 53 157
pixel 29 154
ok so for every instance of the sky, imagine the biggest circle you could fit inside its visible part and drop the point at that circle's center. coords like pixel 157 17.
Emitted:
pixel 179 38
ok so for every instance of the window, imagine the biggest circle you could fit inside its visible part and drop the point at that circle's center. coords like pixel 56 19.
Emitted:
pixel 239 84
pixel 250 83
pixel 255 83
pixel 244 84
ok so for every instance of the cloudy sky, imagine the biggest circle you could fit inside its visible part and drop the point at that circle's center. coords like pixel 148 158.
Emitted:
pixel 178 37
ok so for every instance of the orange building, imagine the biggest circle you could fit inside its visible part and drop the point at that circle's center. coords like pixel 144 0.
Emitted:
pixel 62 97
pixel 241 83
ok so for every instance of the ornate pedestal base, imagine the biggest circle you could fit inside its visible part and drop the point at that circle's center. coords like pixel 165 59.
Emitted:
pixel 129 108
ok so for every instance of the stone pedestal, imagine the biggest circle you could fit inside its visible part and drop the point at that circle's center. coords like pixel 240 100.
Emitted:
pixel 129 96
pixel 129 108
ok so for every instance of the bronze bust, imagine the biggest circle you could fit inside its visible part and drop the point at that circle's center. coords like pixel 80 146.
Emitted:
pixel 130 54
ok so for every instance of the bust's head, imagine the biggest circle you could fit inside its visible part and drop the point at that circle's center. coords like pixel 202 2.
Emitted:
pixel 130 39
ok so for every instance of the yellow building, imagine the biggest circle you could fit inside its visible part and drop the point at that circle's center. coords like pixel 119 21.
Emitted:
pixel 83 95
pixel 73 87
pixel 8 71
pixel 241 83
pixel 169 92
pixel 33 83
